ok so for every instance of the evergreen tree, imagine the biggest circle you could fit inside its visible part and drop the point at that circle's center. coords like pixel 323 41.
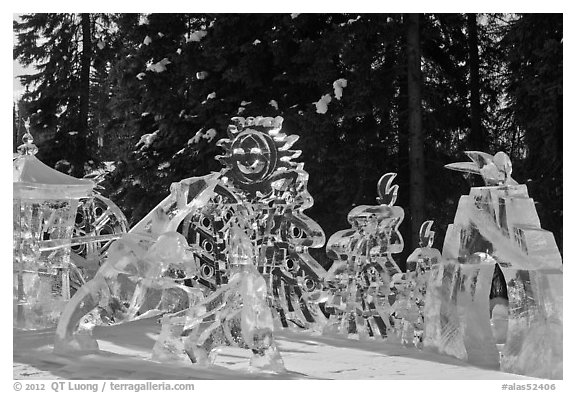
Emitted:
pixel 163 88
pixel 60 48
pixel 533 48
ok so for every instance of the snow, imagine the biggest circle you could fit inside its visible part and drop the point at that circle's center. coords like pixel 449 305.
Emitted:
pixel 339 85
pixel 210 134
pixel 159 66
pixel 147 139
pixel 196 36
pixel 196 138
pixel 274 104
pixel 181 151
pixel 322 104
pixel 125 353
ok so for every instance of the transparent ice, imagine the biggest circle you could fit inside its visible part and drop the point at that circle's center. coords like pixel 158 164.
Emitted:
pixel 44 208
pixel 412 285
pixel 150 270
pixel 499 292
pixel 360 283
pixel 237 314
pixel 260 192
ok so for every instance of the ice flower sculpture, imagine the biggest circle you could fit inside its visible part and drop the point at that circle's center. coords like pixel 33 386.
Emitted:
pixel 360 282
pixel 497 297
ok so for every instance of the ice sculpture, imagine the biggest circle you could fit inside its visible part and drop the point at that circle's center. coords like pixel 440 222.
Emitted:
pixel 500 288
pixel 98 222
pixel 259 183
pixel 44 208
pixel 260 172
pixel 259 175
pixel 408 309
pixel 361 283
pixel 237 314
pixel 138 276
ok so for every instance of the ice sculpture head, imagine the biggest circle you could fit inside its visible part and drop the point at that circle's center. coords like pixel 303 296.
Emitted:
pixel 424 255
pixel 426 234
pixel 254 151
pixel 169 248
pixel 386 191
pixel 495 170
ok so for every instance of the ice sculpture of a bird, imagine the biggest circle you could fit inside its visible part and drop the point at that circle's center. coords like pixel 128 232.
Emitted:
pixel 496 170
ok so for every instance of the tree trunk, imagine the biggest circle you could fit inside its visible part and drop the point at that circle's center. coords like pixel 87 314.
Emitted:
pixel 403 179
pixel 478 139
pixel 415 134
pixel 15 140
pixel 80 154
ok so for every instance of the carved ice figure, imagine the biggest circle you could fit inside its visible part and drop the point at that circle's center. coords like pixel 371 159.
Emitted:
pixel 259 185
pixel 236 314
pixel 502 283
pixel 360 282
pixel 409 306
pixel 260 173
pixel 136 276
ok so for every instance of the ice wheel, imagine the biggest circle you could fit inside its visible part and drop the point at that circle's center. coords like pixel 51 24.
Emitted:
pixel 95 216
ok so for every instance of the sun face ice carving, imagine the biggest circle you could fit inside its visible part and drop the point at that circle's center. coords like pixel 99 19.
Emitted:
pixel 256 153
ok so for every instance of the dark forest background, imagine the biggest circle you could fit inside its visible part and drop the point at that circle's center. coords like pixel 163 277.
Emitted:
pixel 145 97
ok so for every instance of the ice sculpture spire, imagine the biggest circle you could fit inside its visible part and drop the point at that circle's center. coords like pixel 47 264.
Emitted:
pixel 27 147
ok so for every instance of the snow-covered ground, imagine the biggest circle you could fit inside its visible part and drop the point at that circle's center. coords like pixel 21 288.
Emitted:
pixel 125 352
